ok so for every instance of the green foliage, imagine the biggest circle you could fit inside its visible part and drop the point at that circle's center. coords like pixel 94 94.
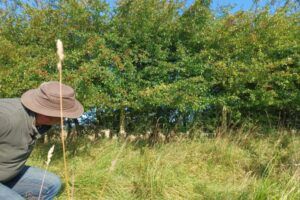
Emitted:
pixel 160 61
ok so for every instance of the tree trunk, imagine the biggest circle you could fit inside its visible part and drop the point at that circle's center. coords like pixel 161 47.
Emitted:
pixel 122 131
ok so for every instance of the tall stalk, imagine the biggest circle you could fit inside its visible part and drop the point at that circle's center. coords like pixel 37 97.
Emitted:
pixel 60 53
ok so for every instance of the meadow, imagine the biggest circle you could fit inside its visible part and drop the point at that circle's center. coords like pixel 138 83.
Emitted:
pixel 236 166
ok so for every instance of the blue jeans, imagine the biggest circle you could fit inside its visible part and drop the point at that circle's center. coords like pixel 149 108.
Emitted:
pixel 27 185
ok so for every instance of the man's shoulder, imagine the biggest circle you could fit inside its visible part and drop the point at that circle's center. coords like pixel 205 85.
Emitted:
pixel 10 103
pixel 5 124
pixel 10 107
pixel 7 107
pixel 12 100
pixel 12 110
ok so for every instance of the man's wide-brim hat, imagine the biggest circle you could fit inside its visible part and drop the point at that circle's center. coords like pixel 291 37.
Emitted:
pixel 45 100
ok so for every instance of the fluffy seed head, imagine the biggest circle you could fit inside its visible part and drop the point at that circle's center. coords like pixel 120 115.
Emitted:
pixel 60 50
pixel 50 154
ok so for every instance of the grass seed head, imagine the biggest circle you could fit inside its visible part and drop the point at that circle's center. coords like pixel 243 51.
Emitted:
pixel 60 53
pixel 50 154
pixel 60 50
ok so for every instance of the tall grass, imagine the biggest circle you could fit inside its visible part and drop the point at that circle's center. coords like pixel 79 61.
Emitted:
pixel 60 54
pixel 244 166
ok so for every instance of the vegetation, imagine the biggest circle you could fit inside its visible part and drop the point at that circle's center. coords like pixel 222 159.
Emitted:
pixel 159 64
pixel 248 165
pixel 164 67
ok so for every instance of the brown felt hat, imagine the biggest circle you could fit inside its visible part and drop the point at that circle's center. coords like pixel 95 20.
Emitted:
pixel 45 100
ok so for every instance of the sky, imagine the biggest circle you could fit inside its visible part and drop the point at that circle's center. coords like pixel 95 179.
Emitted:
pixel 239 4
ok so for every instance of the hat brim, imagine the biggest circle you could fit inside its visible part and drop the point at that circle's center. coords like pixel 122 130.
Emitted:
pixel 28 99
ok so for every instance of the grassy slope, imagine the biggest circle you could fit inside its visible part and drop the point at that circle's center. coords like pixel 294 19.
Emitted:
pixel 221 168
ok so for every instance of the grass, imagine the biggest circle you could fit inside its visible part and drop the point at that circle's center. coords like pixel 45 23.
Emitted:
pixel 230 167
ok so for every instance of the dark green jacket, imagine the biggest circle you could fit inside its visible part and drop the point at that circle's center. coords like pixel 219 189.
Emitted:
pixel 17 137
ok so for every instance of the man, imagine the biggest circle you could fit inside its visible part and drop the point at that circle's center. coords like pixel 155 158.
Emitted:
pixel 22 122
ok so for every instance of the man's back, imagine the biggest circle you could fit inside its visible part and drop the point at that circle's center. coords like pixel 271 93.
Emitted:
pixel 16 141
